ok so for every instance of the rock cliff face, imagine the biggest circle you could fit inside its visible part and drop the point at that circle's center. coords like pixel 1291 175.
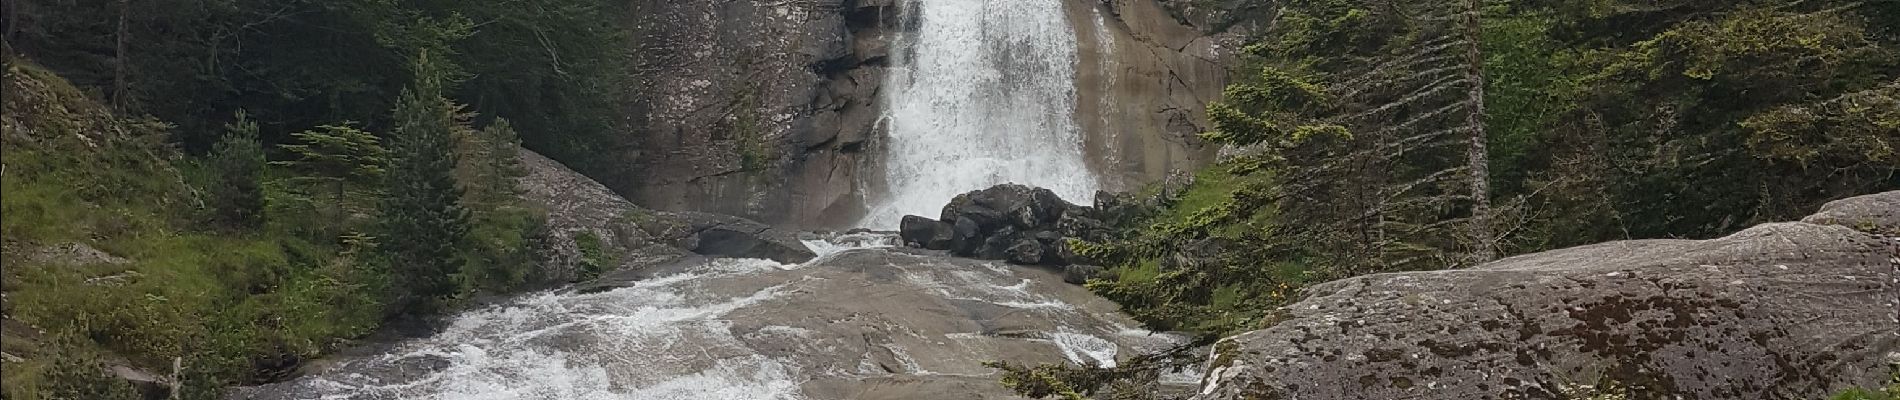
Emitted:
pixel 769 109
pixel 1146 73
pixel 1778 311
pixel 755 108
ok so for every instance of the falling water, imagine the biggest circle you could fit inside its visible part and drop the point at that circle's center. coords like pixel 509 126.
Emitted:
pixel 983 93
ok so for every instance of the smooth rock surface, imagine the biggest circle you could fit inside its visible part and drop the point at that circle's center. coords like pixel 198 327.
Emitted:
pixel 927 233
pixel 1781 310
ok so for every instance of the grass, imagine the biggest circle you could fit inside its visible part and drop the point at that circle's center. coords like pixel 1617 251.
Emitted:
pixel 215 299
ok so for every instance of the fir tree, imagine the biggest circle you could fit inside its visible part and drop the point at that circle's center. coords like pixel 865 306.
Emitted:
pixel 424 220
pixel 238 161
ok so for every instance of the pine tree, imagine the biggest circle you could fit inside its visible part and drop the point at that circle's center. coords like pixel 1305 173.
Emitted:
pixel 504 157
pixel 424 220
pixel 238 161
pixel 489 163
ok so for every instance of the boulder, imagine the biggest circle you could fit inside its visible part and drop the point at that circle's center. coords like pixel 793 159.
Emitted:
pixel 1080 274
pixel 1026 251
pixel 996 246
pixel 1011 204
pixel 1014 223
pixel 726 236
pixel 1781 310
pixel 927 233
pixel 968 237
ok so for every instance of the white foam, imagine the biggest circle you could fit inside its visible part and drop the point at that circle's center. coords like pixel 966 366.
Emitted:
pixel 836 244
pixel 1084 348
pixel 662 338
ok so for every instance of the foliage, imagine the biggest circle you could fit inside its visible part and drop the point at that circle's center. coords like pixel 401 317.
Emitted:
pixel 424 221
pixel 339 156
pixel 213 297
pixel 237 197
pixel 557 68
pixel 594 259
pixel 234 303
pixel 1607 121
pixel 501 226
pixel 1889 392
pixel 82 376
pixel 1130 380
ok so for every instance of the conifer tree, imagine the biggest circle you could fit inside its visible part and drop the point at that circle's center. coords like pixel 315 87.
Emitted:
pixel 490 164
pixel 337 155
pixel 425 221
pixel 238 161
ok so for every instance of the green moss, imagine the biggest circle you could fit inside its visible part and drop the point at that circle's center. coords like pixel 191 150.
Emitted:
pixel 748 134
pixel 1889 392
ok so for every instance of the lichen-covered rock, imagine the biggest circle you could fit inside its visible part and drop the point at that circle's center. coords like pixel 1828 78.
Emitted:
pixel 1778 311
pixel 1877 213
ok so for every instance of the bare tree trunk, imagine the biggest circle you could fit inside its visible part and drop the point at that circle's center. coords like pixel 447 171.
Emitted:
pixel 178 379
pixel 1479 165
pixel 118 56
pixel 13 20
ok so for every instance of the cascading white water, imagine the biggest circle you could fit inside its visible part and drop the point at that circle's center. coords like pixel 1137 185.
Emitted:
pixel 856 318
pixel 982 93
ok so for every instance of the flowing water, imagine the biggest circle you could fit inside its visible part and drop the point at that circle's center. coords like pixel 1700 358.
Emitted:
pixel 983 93
pixel 857 323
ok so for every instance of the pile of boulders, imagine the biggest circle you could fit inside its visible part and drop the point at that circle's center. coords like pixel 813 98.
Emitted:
pixel 1015 223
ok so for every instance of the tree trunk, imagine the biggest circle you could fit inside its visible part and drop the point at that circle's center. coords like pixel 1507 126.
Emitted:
pixel 13 22
pixel 118 56
pixel 1484 249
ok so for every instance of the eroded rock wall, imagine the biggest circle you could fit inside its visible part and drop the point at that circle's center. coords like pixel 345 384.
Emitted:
pixel 755 108
pixel 1147 70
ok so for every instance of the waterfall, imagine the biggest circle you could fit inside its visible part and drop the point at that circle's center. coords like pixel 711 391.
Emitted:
pixel 982 93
